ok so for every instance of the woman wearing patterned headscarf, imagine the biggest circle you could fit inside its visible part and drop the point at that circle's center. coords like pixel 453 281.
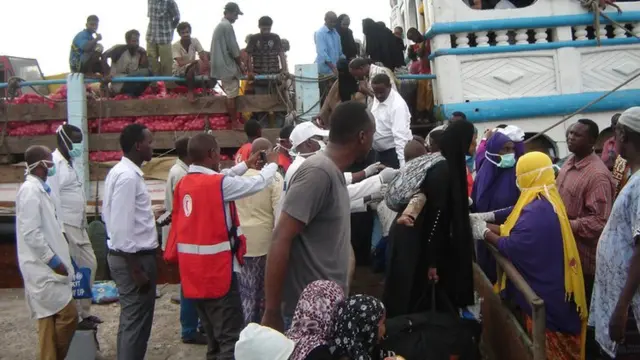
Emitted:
pixel 359 325
pixel 313 320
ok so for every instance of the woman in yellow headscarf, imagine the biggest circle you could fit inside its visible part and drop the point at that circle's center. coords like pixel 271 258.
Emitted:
pixel 538 240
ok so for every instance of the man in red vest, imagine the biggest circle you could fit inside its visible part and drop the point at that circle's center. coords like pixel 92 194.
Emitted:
pixel 206 241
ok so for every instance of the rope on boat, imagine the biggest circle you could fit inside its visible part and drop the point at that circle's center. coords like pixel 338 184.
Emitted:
pixel 584 107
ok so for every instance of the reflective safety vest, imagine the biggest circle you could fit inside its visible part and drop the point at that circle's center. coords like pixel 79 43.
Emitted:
pixel 200 239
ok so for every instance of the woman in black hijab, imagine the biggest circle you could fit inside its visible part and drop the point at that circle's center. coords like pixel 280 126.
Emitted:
pixel 439 246
pixel 349 47
pixel 347 84
pixel 381 45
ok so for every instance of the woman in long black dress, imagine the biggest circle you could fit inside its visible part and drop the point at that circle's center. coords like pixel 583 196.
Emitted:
pixel 439 246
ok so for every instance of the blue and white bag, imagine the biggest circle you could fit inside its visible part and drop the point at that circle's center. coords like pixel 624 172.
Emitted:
pixel 81 282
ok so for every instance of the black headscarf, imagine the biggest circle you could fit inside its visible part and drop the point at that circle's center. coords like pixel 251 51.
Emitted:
pixel 349 47
pixel 356 326
pixel 347 84
pixel 454 146
pixel 382 45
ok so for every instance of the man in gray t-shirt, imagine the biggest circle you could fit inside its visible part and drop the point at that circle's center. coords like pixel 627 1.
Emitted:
pixel 226 64
pixel 317 197
pixel 311 240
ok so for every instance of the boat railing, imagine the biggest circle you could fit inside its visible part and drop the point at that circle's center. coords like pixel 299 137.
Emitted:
pixel 457 29
pixel 535 342
pixel 545 60
pixel 179 79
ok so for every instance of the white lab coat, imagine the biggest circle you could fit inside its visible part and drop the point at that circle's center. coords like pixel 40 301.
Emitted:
pixel 40 237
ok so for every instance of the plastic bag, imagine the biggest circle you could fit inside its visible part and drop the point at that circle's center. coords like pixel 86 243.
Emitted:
pixel 105 292
pixel 81 282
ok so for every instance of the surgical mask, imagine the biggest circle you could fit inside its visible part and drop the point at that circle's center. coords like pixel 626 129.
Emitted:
pixel 506 161
pixel 280 146
pixel 51 167
pixel 294 152
pixel 76 149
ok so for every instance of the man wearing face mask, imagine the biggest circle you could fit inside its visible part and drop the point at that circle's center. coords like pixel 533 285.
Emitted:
pixel 283 148
pixel 307 140
pixel 43 256
pixel 206 241
pixel 69 196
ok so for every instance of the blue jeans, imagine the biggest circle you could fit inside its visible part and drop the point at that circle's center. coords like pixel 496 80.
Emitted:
pixel 188 317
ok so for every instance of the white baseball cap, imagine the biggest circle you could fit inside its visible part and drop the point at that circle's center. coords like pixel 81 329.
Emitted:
pixel 305 131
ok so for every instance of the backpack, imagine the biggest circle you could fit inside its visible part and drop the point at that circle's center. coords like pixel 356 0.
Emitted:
pixel 407 183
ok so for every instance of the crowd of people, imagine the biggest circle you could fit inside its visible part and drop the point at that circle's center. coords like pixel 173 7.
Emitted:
pixel 267 248
pixel 270 243
pixel 223 63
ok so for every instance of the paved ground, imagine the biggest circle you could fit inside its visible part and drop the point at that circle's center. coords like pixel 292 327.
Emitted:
pixel 18 337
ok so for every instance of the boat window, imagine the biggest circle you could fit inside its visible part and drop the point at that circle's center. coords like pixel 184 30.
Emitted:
pixel 498 4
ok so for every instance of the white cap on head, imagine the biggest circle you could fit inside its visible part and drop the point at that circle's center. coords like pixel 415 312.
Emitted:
pixel 631 118
pixel 258 342
pixel 513 132
pixel 305 131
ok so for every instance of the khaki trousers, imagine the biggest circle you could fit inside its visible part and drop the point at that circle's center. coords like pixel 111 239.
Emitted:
pixel 82 253
pixel 55 333
pixel 160 59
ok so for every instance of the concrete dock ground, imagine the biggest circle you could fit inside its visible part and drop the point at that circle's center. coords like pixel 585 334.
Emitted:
pixel 18 333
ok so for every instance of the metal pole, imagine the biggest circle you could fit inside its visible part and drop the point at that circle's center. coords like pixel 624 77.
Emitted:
pixel 77 116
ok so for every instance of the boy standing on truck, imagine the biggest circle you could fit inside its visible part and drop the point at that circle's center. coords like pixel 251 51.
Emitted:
pixel 164 17
pixel 226 63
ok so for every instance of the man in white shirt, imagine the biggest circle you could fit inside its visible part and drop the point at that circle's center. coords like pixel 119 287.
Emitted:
pixel 43 256
pixel 132 241
pixel 393 123
pixel 68 192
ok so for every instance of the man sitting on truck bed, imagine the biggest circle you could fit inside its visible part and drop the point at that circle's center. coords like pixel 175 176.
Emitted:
pixel 185 62
pixel 83 47
pixel 128 60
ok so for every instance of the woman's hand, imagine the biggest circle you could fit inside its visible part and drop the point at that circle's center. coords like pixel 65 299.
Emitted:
pixel 405 220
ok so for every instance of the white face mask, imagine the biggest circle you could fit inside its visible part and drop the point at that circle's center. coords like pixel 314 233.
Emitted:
pixel 280 146
pixel 294 152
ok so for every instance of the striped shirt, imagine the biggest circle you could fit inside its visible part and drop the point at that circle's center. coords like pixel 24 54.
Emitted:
pixel 587 189
pixel 164 16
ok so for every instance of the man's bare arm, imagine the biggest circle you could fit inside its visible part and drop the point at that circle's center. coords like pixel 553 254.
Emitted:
pixel 278 259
